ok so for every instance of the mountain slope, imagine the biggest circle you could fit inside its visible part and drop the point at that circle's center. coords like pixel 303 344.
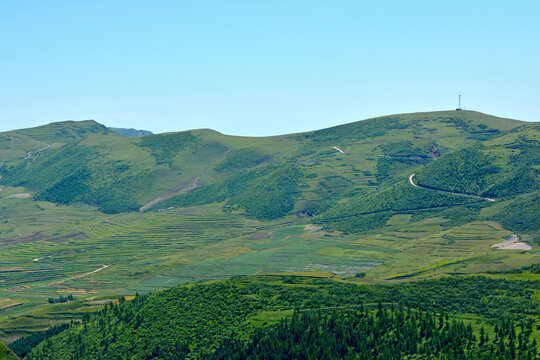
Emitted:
pixel 99 214
pixel 95 159
pixel 27 143
pixel 501 169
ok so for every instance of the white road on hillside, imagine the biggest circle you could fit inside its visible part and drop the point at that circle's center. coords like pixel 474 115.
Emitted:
pixel 448 192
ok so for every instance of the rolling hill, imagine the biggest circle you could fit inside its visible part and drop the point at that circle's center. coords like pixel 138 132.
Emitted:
pixel 85 211
pixel 94 160
pixel 212 321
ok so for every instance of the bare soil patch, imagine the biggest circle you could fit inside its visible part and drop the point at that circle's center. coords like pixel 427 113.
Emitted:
pixel 260 236
pixel 16 240
pixel 512 243
pixel 9 306
pixel 19 196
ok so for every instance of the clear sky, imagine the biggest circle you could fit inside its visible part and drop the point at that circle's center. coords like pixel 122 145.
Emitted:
pixel 263 67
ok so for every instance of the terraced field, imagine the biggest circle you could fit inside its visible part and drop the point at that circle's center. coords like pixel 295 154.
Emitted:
pixel 351 213
pixel 155 250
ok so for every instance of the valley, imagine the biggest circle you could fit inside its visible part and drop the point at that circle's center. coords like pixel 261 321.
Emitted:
pixel 108 216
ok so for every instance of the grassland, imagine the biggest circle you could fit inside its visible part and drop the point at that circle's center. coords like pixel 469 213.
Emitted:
pixel 152 251
pixel 53 248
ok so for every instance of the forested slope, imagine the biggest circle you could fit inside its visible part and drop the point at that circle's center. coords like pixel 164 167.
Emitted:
pixel 382 334
pixel 232 315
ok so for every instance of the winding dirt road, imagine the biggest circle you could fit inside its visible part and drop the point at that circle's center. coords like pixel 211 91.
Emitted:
pixel 447 192
pixel 75 277
pixel 45 148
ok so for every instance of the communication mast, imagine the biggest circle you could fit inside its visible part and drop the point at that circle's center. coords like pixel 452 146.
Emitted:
pixel 459 103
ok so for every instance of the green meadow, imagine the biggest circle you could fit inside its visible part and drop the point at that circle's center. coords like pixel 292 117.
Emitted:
pixel 88 213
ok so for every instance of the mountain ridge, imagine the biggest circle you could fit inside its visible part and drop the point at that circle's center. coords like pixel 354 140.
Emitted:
pixel 413 114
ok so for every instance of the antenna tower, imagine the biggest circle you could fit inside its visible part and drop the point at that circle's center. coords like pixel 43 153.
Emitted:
pixel 459 103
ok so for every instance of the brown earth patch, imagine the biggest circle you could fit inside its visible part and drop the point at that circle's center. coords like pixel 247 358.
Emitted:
pixel 9 306
pixel 16 240
pixel 18 288
pixel 74 236
pixel 19 196
pixel 11 269
pixel 261 235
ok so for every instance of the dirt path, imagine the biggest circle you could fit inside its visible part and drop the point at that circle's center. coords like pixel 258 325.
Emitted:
pixel 338 149
pixel 45 148
pixel 75 277
pixel 182 189
pixel 447 192
pixel 172 192
pixel 19 196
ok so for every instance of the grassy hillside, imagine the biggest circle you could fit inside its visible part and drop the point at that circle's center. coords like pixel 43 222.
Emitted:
pixel 505 166
pixel 28 143
pixel 94 160
pixel 97 215
pixel 370 212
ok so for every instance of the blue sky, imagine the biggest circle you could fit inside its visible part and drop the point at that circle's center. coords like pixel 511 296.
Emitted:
pixel 263 67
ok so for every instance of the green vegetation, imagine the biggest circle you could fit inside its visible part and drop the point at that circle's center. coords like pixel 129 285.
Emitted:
pixel 264 194
pixel 200 319
pixel 330 204
pixel 165 147
pixel 531 269
pixel 71 161
pixel 241 159
pixel 78 173
pixel 465 171
pixel 6 353
pixel 384 334
pixel 359 130
pixel 521 215
pixel 61 299
pixel 370 212
pixel 480 171
pixel 24 345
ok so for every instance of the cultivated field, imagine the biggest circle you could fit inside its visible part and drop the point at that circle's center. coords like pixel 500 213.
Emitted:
pixel 77 250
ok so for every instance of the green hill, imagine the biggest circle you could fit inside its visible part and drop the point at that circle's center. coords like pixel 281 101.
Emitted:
pixel 95 160
pixel 28 143
pixel 221 320
pixel 501 168
pixel 85 211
